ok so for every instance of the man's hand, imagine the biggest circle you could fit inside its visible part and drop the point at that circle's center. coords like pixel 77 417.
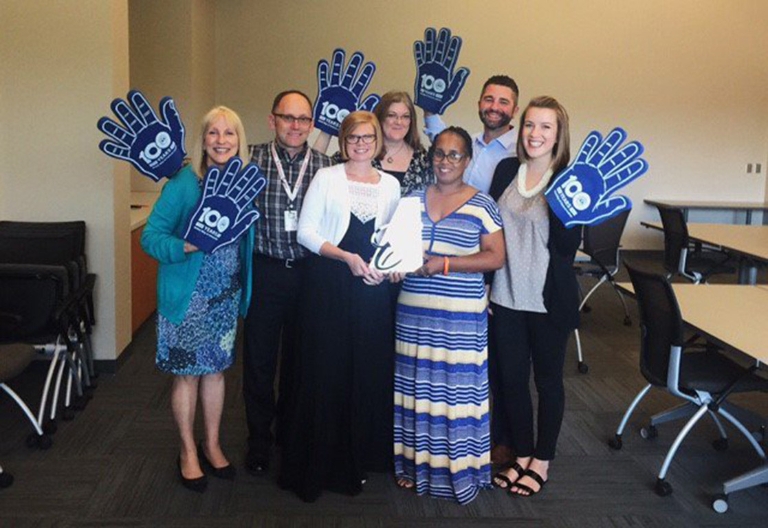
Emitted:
pixel 437 86
pixel 583 192
pixel 154 147
pixel 225 210
pixel 339 91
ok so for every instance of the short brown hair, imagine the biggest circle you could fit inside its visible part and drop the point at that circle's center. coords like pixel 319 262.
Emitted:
pixel 350 124
pixel 561 153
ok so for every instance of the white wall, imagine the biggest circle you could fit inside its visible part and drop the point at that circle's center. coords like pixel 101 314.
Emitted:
pixel 60 65
pixel 687 78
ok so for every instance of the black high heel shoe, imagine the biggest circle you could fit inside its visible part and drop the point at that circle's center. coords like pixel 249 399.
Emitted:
pixel 227 472
pixel 198 484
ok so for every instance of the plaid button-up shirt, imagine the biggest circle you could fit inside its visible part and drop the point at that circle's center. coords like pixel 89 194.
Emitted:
pixel 272 240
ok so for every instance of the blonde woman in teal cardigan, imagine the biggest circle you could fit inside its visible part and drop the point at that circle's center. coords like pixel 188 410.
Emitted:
pixel 199 298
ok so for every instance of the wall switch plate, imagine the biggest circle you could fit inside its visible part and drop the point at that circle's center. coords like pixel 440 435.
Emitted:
pixel 758 168
pixel 749 168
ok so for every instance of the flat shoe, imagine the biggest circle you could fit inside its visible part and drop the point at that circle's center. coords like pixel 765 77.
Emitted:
pixel 227 472
pixel 198 484
pixel 505 479
pixel 531 474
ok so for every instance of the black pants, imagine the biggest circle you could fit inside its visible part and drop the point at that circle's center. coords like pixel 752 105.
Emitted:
pixel 522 339
pixel 271 328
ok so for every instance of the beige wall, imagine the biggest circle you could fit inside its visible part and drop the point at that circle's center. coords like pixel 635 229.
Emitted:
pixel 172 51
pixel 687 78
pixel 60 65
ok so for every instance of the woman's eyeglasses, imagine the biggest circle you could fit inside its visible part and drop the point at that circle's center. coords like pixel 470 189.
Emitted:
pixel 453 156
pixel 354 139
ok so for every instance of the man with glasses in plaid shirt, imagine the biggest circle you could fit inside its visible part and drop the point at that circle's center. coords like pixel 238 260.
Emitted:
pixel 289 165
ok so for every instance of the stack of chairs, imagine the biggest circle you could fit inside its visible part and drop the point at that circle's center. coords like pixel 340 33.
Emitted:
pixel 48 250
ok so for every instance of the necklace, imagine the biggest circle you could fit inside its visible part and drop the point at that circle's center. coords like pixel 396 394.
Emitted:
pixel 391 157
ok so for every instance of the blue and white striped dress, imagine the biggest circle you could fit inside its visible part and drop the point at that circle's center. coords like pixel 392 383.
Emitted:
pixel 442 434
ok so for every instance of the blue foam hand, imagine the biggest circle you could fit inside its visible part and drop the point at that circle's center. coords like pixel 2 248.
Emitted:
pixel 225 209
pixel 339 91
pixel 583 192
pixel 437 86
pixel 154 147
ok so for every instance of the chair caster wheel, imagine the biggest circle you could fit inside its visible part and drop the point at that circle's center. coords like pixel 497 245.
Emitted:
pixel 586 308
pixel 721 444
pixel 649 432
pixel 6 479
pixel 44 442
pixel 627 321
pixel 663 488
pixel 80 403
pixel 720 503
pixel 50 427
pixel 39 441
pixel 68 414
pixel 615 443
pixel 583 367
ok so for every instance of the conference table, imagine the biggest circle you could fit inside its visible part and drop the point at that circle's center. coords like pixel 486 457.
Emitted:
pixel 749 242
pixel 731 315
pixel 687 205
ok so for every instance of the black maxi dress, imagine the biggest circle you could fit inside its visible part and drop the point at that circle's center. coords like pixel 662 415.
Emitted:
pixel 340 425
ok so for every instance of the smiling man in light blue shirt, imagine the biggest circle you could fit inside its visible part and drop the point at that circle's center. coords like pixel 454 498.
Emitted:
pixel 497 108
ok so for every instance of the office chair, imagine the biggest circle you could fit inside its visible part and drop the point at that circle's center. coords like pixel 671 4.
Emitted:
pixel 56 243
pixel 696 266
pixel 602 245
pixel 702 379
pixel 14 359
pixel 41 310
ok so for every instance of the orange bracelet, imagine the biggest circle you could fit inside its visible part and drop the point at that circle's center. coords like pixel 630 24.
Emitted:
pixel 446 265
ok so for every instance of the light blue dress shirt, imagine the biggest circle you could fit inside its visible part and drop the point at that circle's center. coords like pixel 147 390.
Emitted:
pixel 485 156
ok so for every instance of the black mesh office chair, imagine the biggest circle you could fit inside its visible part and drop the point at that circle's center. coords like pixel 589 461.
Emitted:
pixel 31 309
pixel 602 244
pixel 703 378
pixel 40 309
pixel 696 266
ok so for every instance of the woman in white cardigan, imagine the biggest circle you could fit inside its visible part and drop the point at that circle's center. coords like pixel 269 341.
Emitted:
pixel 340 425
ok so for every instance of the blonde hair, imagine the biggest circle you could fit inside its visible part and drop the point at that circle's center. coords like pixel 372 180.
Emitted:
pixel 199 159
pixel 350 124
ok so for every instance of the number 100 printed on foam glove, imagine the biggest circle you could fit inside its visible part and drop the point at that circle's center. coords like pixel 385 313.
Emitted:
pixel 225 209
pixel 583 193
pixel 154 147
pixel 339 90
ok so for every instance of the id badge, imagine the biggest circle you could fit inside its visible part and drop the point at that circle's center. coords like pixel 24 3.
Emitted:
pixel 291 220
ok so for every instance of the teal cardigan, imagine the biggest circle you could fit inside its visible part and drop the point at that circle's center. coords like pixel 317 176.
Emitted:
pixel 162 240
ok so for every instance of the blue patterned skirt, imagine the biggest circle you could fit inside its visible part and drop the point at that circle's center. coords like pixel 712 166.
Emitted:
pixel 204 341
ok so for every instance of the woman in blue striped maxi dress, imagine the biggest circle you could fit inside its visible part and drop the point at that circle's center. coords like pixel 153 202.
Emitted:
pixel 442 435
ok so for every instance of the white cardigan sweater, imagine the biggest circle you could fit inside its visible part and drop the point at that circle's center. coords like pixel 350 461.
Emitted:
pixel 326 208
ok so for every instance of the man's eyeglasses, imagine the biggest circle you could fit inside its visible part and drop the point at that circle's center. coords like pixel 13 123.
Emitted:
pixel 452 156
pixel 354 139
pixel 302 121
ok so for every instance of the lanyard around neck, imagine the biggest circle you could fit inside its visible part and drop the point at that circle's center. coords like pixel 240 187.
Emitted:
pixel 292 193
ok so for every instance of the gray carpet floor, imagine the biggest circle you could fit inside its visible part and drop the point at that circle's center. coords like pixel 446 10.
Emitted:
pixel 114 464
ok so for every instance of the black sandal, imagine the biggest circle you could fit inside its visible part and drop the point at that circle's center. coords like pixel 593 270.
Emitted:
pixel 505 479
pixel 533 475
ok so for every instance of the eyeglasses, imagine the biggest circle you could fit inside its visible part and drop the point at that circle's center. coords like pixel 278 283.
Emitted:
pixel 452 156
pixel 406 118
pixel 302 121
pixel 354 139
